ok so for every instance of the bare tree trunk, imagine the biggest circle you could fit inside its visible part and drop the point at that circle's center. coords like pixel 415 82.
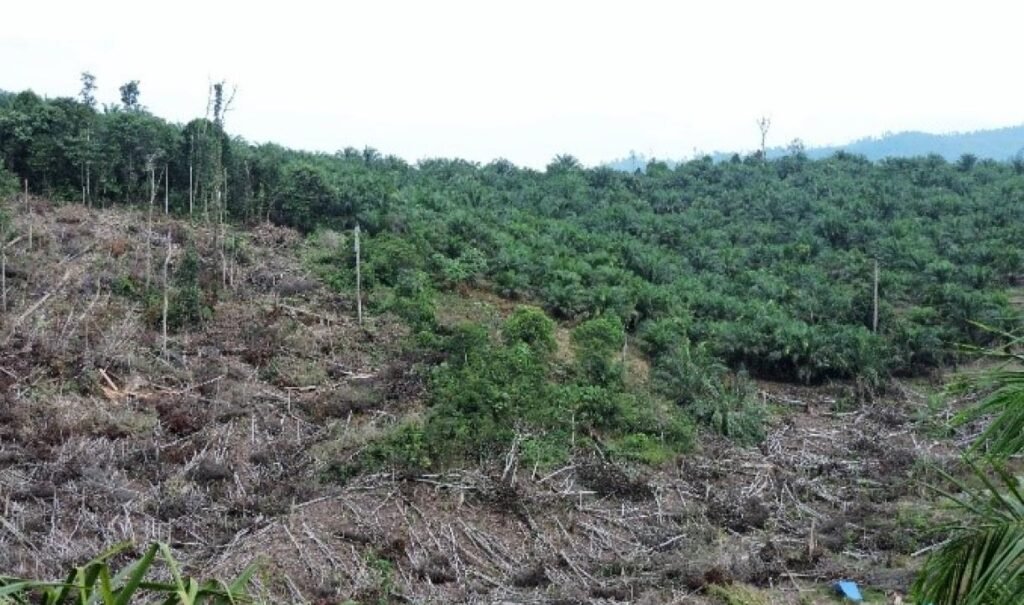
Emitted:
pixel 359 280
pixel 167 262
pixel 191 193
pixel 149 225
pixel 763 124
pixel 874 317
pixel 3 268
pixel 88 170
pixel 223 232
pixel 167 180
pixel 28 210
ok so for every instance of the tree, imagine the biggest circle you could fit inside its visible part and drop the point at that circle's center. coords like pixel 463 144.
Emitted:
pixel 304 197
pixel 130 95
pixel 87 94
pixel 764 123
pixel 86 150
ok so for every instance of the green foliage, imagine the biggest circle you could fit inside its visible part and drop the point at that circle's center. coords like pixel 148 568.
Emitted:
pixel 477 405
pixel 596 343
pixel 385 577
pixel 187 303
pixel 691 377
pixel 8 183
pixel 413 299
pixel 466 339
pixel 99 582
pixel 489 397
pixel 305 196
pixel 737 594
pixel 1004 436
pixel 982 561
pixel 771 263
pixel 531 326
pixel 405 447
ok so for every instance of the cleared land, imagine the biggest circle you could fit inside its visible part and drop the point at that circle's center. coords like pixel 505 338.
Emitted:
pixel 226 448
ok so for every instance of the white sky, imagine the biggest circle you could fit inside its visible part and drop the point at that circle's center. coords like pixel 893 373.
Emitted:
pixel 527 80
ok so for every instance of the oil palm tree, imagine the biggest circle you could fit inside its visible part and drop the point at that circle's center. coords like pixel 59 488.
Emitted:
pixel 982 561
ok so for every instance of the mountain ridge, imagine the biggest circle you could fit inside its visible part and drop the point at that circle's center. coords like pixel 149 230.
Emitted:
pixel 1000 144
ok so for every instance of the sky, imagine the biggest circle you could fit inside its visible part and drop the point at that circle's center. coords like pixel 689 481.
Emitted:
pixel 528 80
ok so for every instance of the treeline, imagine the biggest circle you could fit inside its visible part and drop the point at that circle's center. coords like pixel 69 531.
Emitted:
pixel 767 266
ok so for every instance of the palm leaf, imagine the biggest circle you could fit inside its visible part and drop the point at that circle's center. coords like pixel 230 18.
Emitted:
pixel 1004 436
pixel 982 563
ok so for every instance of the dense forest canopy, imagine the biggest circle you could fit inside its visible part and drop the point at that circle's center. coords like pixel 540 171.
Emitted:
pixel 766 265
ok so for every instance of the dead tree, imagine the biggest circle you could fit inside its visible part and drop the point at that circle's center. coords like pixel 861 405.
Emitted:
pixel 3 266
pixel 167 262
pixel 763 124
pixel 191 191
pixel 359 279
pixel 149 220
pixel 28 212
pixel 223 232
pixel 88 169
pixel 167 180
pixel 874 316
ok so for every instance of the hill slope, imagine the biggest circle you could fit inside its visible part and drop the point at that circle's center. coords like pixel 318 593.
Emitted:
pixel 225 446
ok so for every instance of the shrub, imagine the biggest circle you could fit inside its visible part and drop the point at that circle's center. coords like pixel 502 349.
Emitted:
pixel 531 326
pixel 596 343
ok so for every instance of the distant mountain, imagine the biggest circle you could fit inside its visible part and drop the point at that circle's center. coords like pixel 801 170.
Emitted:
pixel 997 144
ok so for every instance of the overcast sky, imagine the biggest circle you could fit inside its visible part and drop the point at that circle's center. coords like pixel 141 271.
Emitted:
pixel 526 80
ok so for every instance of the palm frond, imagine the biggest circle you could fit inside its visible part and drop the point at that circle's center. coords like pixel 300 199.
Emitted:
pixel 982 563
pixel 1004 436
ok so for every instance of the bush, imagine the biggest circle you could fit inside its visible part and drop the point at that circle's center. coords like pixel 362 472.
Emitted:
pixel 8 183
pixel 406 448
pixel 596 343
pixel 692 378
pixel 531 326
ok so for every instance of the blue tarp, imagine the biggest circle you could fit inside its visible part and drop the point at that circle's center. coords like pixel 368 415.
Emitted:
pixel 849 590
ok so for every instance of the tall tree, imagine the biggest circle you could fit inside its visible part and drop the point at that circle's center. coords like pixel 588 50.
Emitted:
pixel 88 93
pixel 130 95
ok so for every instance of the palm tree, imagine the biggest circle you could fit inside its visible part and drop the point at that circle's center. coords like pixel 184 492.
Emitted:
pixel 982 561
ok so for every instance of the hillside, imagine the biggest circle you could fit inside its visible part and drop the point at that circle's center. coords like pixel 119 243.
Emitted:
pixel 227 446
pixel 572 384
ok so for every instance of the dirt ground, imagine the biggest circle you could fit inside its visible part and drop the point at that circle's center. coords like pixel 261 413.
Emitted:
pixel 223 447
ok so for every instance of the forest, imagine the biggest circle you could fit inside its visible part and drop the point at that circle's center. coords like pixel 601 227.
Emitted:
pixel 636 309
